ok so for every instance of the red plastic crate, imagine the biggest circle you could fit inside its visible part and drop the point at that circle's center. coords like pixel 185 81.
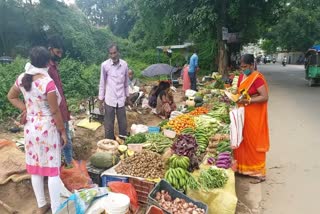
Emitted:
pixel 154 210
pixel 143 188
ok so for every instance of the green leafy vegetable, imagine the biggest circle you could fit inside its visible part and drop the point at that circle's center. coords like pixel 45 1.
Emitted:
pixel 136 139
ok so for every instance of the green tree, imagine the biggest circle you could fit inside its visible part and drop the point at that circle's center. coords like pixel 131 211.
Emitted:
pixel 114 14
pixel 300 29
pixel 15 30
pixel 167 21
pixel 269 46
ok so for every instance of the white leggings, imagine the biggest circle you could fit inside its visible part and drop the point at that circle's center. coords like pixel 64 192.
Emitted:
pixel 54 186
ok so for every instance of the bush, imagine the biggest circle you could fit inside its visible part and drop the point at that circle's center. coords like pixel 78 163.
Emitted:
pixel 8 75
pixel 79 80
pixel 137 66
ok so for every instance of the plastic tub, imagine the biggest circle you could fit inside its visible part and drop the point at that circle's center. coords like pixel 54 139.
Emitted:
pixel 105 179
pixel 117 203
pixel 153 129
pixel 135 147
pixel 170 134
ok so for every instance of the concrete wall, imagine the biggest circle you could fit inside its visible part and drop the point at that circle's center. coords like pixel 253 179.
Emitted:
pixel 292 57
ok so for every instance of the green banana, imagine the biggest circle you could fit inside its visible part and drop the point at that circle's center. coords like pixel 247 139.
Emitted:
pixel 181 182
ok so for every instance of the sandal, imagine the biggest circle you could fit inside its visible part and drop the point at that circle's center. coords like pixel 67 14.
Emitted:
pixel 44 209
pixel 258 180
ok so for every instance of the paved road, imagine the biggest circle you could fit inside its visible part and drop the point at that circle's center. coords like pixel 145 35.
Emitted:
pixel 293 163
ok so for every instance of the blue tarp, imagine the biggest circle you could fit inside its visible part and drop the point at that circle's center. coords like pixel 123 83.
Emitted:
pixel 316 48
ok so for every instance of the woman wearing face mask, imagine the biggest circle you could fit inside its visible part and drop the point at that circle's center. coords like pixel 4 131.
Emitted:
pixel 44 132
pixel 251 154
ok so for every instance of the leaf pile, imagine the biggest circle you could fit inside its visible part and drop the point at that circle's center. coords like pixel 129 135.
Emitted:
pixel 185 145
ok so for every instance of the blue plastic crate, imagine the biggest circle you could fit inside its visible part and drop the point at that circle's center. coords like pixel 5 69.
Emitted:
pixel 153 129
pixel 105 179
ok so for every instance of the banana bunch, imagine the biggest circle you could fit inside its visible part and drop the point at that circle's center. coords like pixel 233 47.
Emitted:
pixel 202 139
pixel 177 177
pixel 177 161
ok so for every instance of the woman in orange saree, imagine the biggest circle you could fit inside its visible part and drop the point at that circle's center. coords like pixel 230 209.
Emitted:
pixel 251 154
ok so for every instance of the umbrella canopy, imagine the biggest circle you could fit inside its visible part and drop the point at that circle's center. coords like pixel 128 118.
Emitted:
pixel 158 69
pixel 316 48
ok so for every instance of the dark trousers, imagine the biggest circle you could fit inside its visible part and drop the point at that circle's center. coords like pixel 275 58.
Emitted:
pixel 193 80
pixel 109 118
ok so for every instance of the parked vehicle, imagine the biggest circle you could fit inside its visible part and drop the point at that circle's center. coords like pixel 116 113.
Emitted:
pixel 312 65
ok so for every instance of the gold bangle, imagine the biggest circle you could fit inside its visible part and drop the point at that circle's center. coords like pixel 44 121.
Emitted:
pixel 249 101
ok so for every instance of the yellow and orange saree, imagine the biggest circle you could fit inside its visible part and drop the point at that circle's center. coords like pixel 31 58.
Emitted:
pixel 251 154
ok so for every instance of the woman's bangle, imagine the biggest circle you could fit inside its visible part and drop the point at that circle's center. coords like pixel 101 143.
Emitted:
pixel 249 100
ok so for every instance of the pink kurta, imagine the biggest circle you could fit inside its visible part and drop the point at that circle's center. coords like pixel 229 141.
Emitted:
pixel 42 139
pixel 186 78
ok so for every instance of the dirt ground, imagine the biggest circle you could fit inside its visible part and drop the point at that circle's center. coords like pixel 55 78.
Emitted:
pixel 20 196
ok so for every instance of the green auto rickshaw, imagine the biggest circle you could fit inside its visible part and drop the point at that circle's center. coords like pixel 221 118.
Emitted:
pixel 312 65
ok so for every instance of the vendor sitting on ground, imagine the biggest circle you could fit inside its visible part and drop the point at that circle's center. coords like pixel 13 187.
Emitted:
pixel 165 101
pixel 134 85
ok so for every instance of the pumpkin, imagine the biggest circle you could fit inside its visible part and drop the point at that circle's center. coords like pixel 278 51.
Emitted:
pixel 103 160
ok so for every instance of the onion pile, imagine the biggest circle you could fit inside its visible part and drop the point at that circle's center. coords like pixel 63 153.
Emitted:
pixel 177 206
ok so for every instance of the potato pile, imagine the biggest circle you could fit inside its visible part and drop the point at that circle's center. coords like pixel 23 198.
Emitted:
pixel 145 164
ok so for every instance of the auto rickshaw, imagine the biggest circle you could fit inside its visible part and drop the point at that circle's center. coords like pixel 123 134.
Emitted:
pixel 312 65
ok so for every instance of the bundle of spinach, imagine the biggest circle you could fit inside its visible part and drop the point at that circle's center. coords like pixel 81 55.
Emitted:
pixel 136 139
pixel 212 178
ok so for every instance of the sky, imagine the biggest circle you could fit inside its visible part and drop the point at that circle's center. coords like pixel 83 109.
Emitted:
pixel 69 1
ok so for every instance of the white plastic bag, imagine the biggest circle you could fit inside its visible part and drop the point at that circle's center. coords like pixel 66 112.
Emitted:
pixel 236 126
pixel 174 114
pixel 190 93
pixel 135 129
pixel 145 103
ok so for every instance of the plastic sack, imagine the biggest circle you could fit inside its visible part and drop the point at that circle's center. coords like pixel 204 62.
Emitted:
pixel 145 103
pixel 175 114
pixel 80 201
pixel 190 93
pixel 76 177
pixel 135 129
pixel 222 200
pixel 127 189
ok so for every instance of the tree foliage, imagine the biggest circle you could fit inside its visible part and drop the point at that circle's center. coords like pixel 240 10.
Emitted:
pixel 114 14
pixel 172 21
pixel 26 25
pixel 300 29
